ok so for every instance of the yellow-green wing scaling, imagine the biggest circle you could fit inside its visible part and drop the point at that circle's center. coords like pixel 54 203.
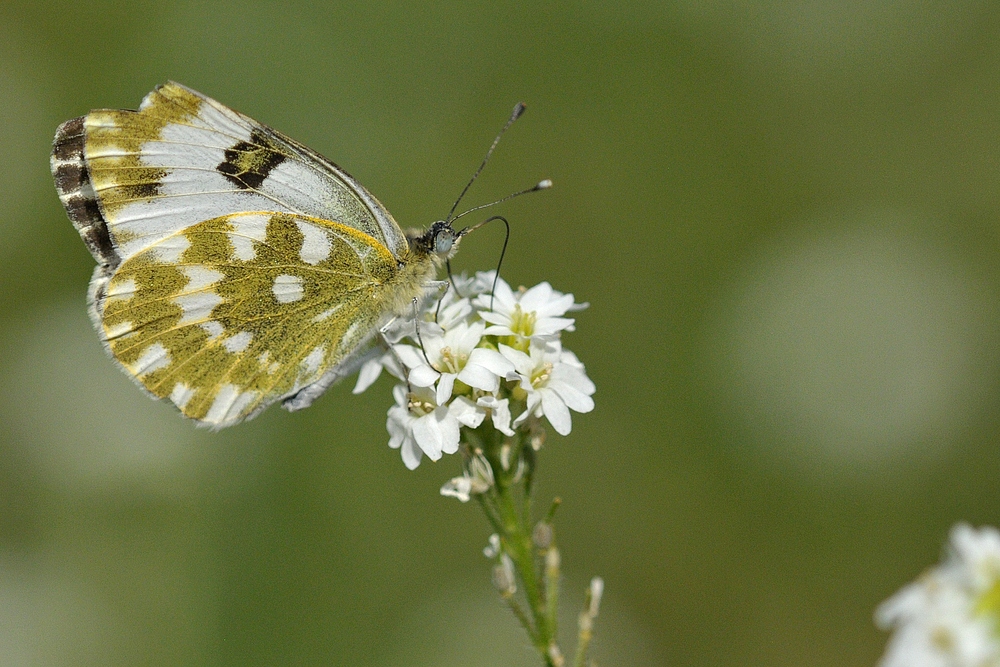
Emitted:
pixel 231 314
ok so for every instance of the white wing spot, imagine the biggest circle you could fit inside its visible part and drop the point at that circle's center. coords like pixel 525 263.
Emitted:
pixel 118 330
pixel 287 288
pixel 181 394
pixel 313 360
pixel 197 307
pixel 264 359
pixel 120 289
pixel 200 277
pixel 170 249
pixel 238 342
pixel 228 404
pixel 247 229
pixel 325 314
pixel 152 359
pixel 315 243
pixel 213 329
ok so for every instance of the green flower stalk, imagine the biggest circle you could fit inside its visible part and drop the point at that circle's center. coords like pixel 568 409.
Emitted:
pixel 484 374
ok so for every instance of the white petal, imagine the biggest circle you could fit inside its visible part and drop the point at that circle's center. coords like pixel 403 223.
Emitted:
pixel 491 360
pixel 458 487
pixel 445 386
pixel 537 297
pixel 556 412
pixel 503 298
pixel 450 431
pixel 547 326
pixel 466 412
pixel 483 282
pixel 522 362
pixel 479 377
pixel 534 404
pixel 555 306
pixel 500 411
pixel 411 454
pixel 467 338
pixel 494 318
pixel 499 330
pixel 573 376
pixel 571 396
pixel 370 370
pixel 423 376
pixel 396 426
pixel 427 433
pixel 409 355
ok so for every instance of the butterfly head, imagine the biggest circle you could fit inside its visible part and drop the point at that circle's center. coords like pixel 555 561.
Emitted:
pixel 440 240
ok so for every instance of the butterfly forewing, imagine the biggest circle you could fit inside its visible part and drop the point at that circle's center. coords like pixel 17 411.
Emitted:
pixel 233 313
pixel 184 158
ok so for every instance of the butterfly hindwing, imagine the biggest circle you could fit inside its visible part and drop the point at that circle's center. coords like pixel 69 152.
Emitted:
pixel 183 158
pixel 234 313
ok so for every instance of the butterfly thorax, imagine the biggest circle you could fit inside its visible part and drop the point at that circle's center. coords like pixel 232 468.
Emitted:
pixel 428 251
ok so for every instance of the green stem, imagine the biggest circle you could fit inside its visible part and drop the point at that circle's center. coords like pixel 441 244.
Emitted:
pixel 521 551
pixel 491 513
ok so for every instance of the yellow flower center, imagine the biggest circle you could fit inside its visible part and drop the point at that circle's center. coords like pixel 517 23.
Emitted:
pixel 522 323
pixel 988 603
pixel 418 406
pixel 451 362
pixel 541 375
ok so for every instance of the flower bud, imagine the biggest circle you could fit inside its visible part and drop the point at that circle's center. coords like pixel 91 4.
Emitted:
pixel 542 535
pixel 503 576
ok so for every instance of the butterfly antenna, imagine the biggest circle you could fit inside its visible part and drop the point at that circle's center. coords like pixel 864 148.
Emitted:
pixel 518 110
pixel 541 185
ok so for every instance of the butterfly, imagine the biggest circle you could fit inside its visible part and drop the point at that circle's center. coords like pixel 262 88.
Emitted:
pixel 236 267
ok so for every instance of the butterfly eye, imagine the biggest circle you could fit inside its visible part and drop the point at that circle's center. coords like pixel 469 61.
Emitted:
pixel 444 239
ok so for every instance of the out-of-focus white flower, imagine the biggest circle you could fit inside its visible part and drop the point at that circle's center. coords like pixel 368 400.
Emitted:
pixel 950 616
pixel 554 383
pixel 503 576
pixel 534 314
pixel 492 550
pixel 477 479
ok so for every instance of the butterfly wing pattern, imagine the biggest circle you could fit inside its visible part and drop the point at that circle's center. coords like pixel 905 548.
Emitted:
pixel 235 266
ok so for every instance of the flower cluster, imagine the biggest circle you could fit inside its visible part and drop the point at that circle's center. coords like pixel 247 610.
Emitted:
pixel 480 361
pixel 950 616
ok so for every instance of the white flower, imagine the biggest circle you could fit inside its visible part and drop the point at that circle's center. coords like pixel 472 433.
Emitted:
pixel 555 383
pixel 950 616
pixel 417 425
pixel 477 479
pixel 454 356
pixel 536 313
pixel 372 369
pixel 397 329
pixel 492 549
pixel 452 310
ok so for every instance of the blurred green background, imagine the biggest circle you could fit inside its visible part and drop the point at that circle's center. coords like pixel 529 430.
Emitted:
pixel 784 216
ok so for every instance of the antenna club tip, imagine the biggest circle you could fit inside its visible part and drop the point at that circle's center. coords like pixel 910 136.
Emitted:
pixel 518 110
pixel 544 185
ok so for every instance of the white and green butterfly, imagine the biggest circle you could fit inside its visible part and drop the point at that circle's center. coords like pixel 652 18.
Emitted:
pixel 236 267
